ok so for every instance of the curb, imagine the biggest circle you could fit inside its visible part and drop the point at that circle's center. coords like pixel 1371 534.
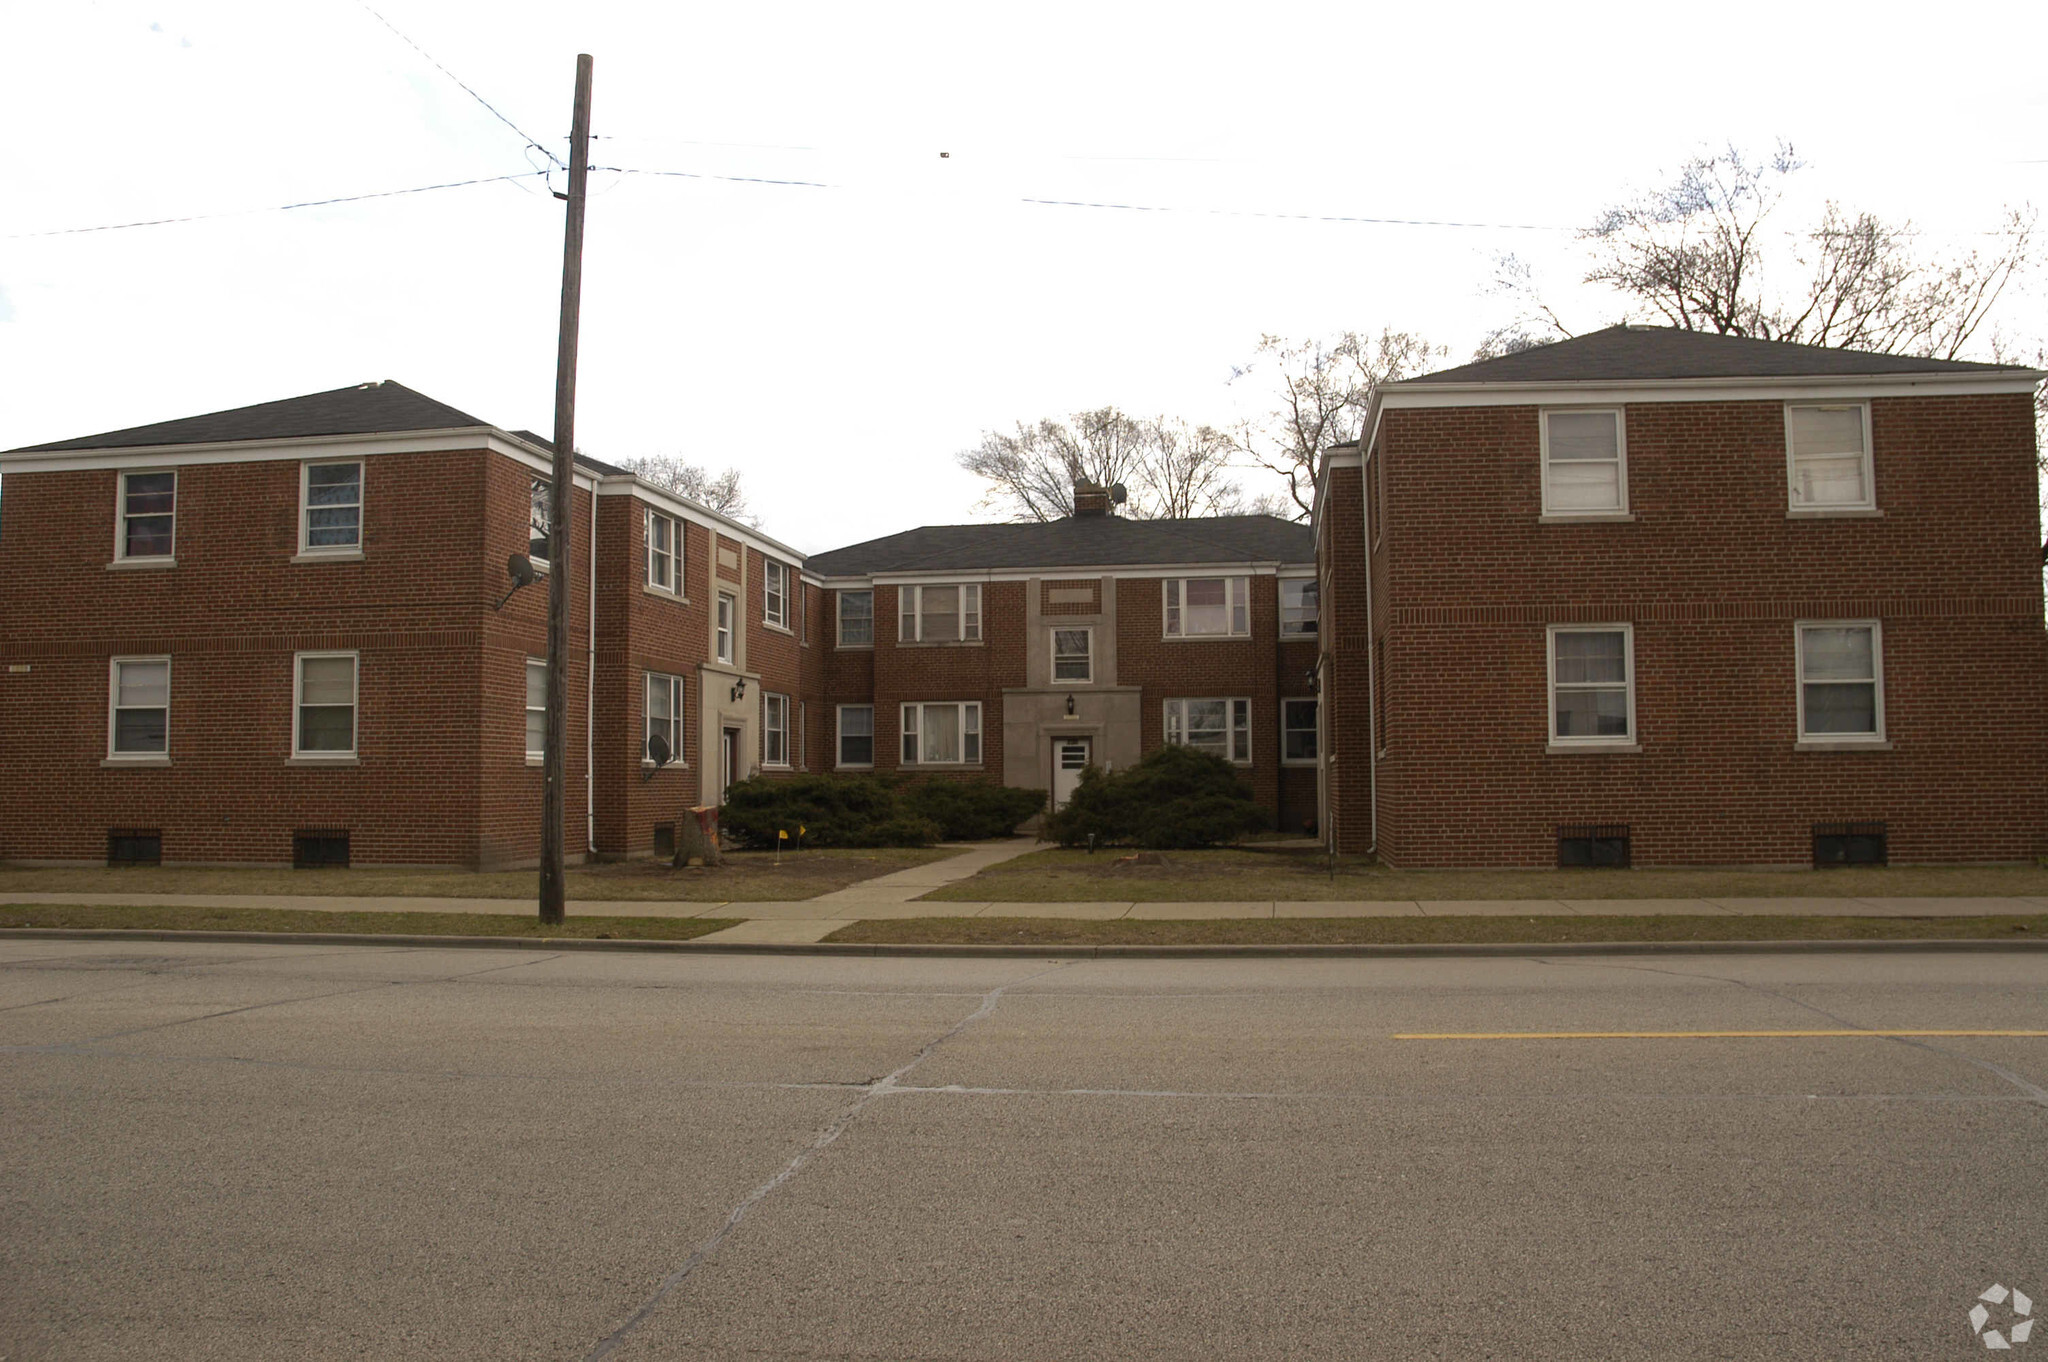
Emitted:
pixel 1509 949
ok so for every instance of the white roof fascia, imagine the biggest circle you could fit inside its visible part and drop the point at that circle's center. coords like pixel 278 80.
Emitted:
pixel 632 484
pixel 1266 568
pixel 1521 394
pixel 296 448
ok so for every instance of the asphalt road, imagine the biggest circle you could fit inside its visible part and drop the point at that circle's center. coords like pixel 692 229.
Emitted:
pixel 306 1152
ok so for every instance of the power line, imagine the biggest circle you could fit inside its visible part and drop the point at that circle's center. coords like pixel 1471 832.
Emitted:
pixel 531 140
pixel 705 175
pixel 1305 217
pixel 276 208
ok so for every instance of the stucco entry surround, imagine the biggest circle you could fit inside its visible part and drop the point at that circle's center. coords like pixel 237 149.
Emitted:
pixel 1034 714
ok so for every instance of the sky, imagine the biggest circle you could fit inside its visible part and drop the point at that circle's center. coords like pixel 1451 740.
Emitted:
pixel 841 338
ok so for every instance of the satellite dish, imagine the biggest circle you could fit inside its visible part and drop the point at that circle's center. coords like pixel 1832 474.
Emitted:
pixel 520 569
pixel 1118 495
pixel 657 750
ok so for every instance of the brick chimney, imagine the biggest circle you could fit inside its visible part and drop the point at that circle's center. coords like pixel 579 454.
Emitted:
pixel 1090 499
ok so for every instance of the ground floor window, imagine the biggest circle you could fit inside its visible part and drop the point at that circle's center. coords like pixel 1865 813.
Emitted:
pixel 1220 726
pixel 536 708
pixel 326 704
pixel 856 735
pixel 1841 681
pixel 774 730
pixel 1298 730
pixel 942 734
pixel 139 721
pixel 1592 684
pixel 662 741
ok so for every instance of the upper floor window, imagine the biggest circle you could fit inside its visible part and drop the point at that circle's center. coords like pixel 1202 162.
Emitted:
pixel 1585 463
pixel 942 735
pixel 1841 681
pixel 1827 457
pixel 1208 607
pixel 1073 655
pixel 774 593
pixel 1220 726
pixel 664 552
pixel 774 729
pixel 536 709
pixel 538 517
pixel 149 514
pixel 721 642
pixel 326 705
pixel 1592 684
pixel 139 708
pixel 1298 601
pixel 857 619
pixel 331 507
pixel 940 614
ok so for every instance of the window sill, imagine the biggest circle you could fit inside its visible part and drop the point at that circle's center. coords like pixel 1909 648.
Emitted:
pixel 776 766
pixel 778 628
pixel 339 759
pixel 939 766
pixel 853 647
pixel 1585 517
pixel 1591 749
pixel 1834 513
pixel 535 759
pixel 1298 763
pixel 650 767
pixel 328 556
pixel 941 643
pixel 649 589
pixel 137 564
pixel 855 766
pixel 1842 745
pixel 115 763
pixel 1204 638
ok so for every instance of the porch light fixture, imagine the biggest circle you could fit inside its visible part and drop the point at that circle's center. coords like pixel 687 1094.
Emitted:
pixel 739 690
pixel 1070 706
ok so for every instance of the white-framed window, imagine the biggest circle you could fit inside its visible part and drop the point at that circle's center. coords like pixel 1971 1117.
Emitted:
pixel 1827 457
pixel 1073 654
pixel 1299 598
pixel 1298 732
pixel 324 704
pixel 149 515
pixel 139 709
pixel 774 729
pixel 331 507
pixel 856 735
pixel 1592 684
pixel 663 708
pixel 1222 726
pixel 857 619
pixel 774 594
pixel 1208 607
pixel 803 733
pixel 942 734
pixel 538 516
pixel 664 552
pixel 722 639
pixel 536 708
pixel 939 614
pixel 1585 462
pixel 1841 680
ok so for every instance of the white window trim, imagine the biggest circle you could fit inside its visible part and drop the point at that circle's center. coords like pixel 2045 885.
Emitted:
pixel 766 728
pixel 355 704
pixel 674 554
pixel 906 728
pixel 839 617
pixel 1620 512
pixel 1238 588
pixel 162 758
pixel 726 605
pixel 916 612
pixel 1827 740
pixel 647 720
pixel 1230 729
pixel 1631 740
pixel 121 554
pixel 1316 623
pixel 839 735
pixel 1285 701
pixel 310 550
pixel 534 756
pixel 803 756
pixel 1865 506
pixel 1053 654
pixel 770 568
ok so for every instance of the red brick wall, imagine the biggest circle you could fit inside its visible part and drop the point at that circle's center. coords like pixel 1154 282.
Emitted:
pixel 948 671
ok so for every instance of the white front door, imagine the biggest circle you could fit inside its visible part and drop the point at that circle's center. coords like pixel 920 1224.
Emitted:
pixel 1070 756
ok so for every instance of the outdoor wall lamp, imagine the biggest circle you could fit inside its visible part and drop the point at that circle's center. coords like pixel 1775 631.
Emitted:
pixel 1070 706
pixel 739 690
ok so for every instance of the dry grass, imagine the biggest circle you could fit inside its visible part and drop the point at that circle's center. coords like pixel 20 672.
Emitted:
pixel 314 920
pixel 1345 931
pixel 746 877
pixel 1298 876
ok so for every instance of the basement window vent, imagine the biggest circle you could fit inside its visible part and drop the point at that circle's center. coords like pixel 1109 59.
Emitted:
pixel 135 846
pixel 320 848
pixel 1582 845
pixel 664 839
pixel 1848 844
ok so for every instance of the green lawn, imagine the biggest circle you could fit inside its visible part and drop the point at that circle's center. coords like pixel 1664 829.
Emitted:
pixel 1344 931
pixel 746 876
pixel 316 920
pixel 1205 876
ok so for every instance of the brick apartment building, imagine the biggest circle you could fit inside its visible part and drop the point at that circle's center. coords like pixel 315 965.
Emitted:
pixel 283 634
pixel 1687 599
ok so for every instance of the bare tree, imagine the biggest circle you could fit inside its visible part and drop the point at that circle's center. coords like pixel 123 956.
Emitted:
pixel 1169 468
pixel 719 492
pixel 1321 391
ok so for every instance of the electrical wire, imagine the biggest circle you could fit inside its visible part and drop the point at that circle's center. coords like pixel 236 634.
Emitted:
pixel 276 208
pixel 704 175
pixel 1306 217
pixel 531 140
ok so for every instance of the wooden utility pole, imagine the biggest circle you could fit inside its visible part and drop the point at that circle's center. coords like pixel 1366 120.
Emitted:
pixel 552 879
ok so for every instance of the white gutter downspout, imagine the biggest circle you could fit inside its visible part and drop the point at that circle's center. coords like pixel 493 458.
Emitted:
pixel 1372 746
pixel 590 699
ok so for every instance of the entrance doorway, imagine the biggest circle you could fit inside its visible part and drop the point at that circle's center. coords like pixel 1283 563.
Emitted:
pixel 729 746
pixel 1070 756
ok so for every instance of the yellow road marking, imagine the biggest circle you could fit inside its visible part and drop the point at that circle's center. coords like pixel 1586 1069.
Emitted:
pixel 1688 1035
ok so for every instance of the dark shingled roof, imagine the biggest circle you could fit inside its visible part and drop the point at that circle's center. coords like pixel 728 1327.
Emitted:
pixel 1620 353
pixel 367 409
pixel 1089 541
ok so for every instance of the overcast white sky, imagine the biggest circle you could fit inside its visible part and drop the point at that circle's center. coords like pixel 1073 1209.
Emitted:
pixel 840 344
